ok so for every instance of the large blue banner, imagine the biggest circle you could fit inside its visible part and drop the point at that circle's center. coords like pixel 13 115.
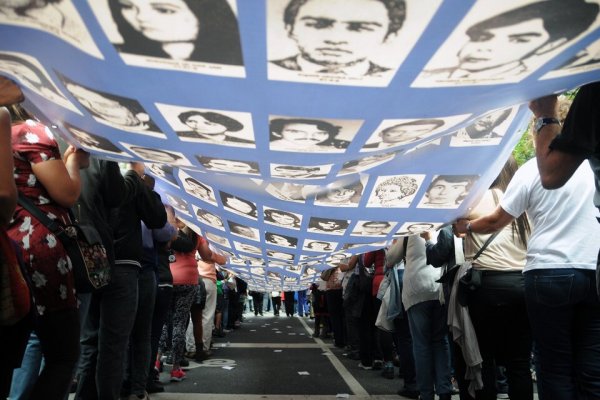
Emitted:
pixel 294 133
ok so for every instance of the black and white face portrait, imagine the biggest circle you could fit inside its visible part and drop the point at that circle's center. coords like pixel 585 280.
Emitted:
pixel 247 247
pixel 158 155
pixel 229 166
pixel 163 172
pixel 341 194
pixel 118 112
pixel 284 219
pixel 279 255
pixel 488 130
pixel 327 225
pixel 93 142
pixel 311 135
pixel 395 191
pixel 501 43
pixel 365 163
pixel 197 189
pixel 353 42
pixel 447 191
pixel 58 17
pixel 32 75
pixel 372 228
pixel 280 240
pixel 218 127
pixel 243 230
pixel 338 257
pixel 208 218
pixel 238 205
pixel 319 245
pixel 178 203
pixel 299 171
pixel 287 191
pixel 415 228
pixel 585 60
pixel 220 240
pixel 206 40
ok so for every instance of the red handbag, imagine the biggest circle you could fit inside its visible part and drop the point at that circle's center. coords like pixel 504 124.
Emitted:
pixel 15 298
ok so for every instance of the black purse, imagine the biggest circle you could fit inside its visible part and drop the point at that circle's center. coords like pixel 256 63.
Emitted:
pixel 471 280
pixel 82 242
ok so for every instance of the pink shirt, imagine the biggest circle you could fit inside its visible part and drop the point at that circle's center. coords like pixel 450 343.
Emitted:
pixel 184 269
pixel 207 270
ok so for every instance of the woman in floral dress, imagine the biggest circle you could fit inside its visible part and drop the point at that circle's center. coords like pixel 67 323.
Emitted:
pixel 54 185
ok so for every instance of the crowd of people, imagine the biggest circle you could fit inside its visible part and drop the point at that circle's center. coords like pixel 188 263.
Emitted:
pixel 471 309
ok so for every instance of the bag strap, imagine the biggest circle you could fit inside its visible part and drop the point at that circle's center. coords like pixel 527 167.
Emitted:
pixel 404 245
pixel 54 227
pixel 485 245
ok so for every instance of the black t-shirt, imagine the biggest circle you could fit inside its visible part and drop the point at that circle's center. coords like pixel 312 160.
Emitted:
pixel 581 131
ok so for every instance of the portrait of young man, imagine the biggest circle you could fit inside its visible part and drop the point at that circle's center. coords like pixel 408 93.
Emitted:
pixel 247 247
pixel 163 172
pixel 365 163
pixel 403 133
pixel 447 191
pixel 118 112
pixel 229 166
pixel 485 131
pixel 306 135
pixel 199 190
pixel 372 228
pixel 495 44
pixel 243 230
pixel 299 171
pixel 585 60
pixel 356 42
pixel 217 239
pixel 158 155
pixel 93 142
pixel 208 218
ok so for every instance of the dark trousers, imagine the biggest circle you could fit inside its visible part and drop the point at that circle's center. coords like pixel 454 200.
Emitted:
pixel 276 304
pixel 13 341
pixel 404 348
pixel 564 313
pixel 164 294
pixel 257 301
pixel 368 348
pixel 335 306
pixel 500 320
pixel 140 340
pixel 105 335
pixel 289 303
pixel 58 332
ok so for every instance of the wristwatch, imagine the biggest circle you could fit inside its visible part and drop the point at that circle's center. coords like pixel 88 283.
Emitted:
pixel 541 122
pixel 469 230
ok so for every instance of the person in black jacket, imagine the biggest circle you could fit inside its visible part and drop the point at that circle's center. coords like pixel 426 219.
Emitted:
pixel 112 311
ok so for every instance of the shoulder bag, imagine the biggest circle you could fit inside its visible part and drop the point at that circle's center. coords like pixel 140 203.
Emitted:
pixel 82 242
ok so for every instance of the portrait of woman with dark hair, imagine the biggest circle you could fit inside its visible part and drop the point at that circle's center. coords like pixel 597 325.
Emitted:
pixel 238 205
pixel 191 30
pixel 282 218
pixel 318 245
pixel 212 127
pixel 280 240
pixel 29 75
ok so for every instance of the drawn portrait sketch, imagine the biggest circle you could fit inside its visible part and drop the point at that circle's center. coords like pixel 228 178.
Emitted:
pixel 587 59
pixel 395 191
pixel 32 75
pixel 395 133
pixel 112 110
pixel 218 127
pixel 447 191
pixel 311 135
pixel 94 143
pixel 487 130
pixel 343 42
pixel 504 42
pixel 58 17
pixel 191 35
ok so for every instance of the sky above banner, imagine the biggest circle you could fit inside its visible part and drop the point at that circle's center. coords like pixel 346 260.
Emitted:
pixel 294 133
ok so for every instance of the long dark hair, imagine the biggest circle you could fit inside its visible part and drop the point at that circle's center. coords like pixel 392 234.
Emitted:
pixel 520 225
pixel 218 40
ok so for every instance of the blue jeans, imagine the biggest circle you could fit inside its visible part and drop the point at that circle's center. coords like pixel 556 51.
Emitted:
pixel 302 306
pixel 105 335
pixel 429 331
pixel 564 313
pixel 24 378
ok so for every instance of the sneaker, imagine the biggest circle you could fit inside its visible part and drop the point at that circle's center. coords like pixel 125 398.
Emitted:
pixel 365 367
pixel 177 375
pixel 377 364
pixel 388 371
pixel 158 366
pixel 201 356
pixel 184 363
pixel 169 359
pixel 411 394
